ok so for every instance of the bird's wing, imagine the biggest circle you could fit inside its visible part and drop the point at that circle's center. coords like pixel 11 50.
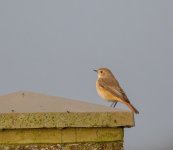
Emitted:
pixel 116 90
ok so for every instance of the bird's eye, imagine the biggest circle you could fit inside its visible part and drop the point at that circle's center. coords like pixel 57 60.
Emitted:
pixel 101 71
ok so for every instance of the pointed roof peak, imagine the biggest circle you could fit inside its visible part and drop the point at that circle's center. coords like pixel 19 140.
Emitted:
pixel 27 101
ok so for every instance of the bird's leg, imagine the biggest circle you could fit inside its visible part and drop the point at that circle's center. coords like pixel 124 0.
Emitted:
pixel 114 104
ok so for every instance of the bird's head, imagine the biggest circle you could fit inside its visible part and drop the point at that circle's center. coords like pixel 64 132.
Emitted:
pixel 103 72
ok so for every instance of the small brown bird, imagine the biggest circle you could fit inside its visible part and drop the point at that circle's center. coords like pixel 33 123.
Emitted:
pixel 109 89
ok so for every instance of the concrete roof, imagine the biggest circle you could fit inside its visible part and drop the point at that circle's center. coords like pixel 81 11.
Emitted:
pixel 34 110
pixel 36 102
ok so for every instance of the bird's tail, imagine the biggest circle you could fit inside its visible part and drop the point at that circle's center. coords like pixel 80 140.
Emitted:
pixel 132 108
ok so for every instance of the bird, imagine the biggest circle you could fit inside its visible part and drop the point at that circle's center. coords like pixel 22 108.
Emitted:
pixel 108 88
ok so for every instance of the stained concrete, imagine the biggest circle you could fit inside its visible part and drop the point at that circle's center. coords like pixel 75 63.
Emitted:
pixel 37 121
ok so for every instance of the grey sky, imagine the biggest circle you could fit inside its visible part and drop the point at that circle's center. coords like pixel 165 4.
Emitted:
pixel 52 47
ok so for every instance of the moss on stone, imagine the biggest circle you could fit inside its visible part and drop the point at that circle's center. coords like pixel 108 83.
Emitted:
pixel 61 120
pixel 64 135
pixel 78 146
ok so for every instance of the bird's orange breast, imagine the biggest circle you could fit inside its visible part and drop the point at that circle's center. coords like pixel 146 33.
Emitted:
pixel 104 93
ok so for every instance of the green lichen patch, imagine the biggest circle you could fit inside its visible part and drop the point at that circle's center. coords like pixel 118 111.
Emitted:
pixel 64 135
pixel 78 146
pixel 62 120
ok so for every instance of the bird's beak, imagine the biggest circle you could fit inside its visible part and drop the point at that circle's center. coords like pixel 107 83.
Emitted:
pixel 95 70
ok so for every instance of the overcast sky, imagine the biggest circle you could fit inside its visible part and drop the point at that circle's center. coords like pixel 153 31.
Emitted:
pixel 52 47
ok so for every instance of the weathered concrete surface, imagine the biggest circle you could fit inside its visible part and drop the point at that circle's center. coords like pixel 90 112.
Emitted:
pixel 66 135
pixel 35 121
pixel 61 120
pixel 33 110
pixel 79 146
